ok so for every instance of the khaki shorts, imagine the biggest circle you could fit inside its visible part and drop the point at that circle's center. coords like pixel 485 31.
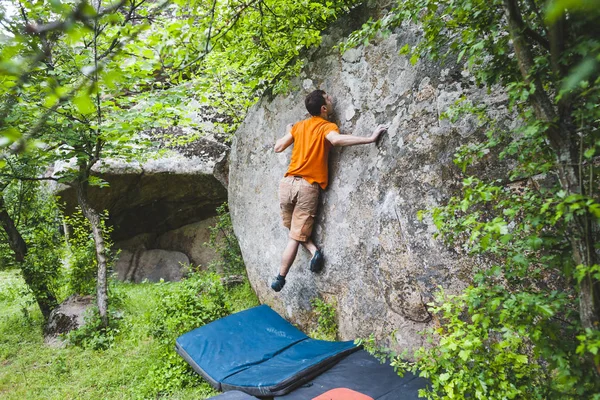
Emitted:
pixel 298 200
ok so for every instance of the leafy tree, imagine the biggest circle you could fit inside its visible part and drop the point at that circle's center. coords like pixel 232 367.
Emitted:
pixel 544 238
pixel 83 78
pixel 30 220
pixel 59 101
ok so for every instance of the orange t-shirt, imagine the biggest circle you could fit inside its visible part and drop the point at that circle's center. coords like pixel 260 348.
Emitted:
pixel 311 150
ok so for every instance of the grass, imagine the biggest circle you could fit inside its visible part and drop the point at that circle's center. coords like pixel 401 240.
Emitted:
pixel 29 369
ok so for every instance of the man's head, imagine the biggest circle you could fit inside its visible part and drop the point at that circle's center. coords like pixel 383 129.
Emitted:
pixel 318 102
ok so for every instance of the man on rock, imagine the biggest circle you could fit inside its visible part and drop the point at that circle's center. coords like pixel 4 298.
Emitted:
pixel 307 175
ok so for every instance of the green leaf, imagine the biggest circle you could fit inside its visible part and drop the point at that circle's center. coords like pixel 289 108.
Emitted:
pixel 148 53
pixel 556 8
pixel 580 73
pixel 50 100
pixel 464 354
pixel 521 359
pixel 112 77
pixel 12 134
pixel 414 59
pixel 84 104
pixel 589 153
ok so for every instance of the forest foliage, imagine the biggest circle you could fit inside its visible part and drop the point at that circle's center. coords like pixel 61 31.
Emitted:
pixel 528 326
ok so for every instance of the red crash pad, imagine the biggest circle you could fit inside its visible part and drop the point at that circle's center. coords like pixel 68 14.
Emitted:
pixel 342 394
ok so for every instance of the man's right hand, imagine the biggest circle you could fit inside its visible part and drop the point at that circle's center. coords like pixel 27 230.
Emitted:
pixel 378 131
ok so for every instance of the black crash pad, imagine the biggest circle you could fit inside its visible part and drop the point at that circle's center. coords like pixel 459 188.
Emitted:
pixel 363 373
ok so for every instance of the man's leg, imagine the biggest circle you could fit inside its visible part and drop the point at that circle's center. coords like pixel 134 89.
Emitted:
pixel 308 201
pixel 316 261
pixel 310 246
pixel 299 201
pixel 287 259
pixel 287 202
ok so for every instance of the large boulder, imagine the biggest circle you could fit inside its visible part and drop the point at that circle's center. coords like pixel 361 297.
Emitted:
pixel 159 194
pixel 382 264
pixel 191 240
pixel 166 202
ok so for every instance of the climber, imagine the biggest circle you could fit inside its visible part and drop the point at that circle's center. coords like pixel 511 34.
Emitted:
pixel 307 175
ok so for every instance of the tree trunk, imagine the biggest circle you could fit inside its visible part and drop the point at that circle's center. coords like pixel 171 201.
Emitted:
pixel 43 295
pixel 94 218
pixel 564 142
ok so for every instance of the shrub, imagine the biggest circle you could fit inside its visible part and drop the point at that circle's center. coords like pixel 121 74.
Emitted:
pixel 92 334
pixel 82 261
pixel 196 301
pixel 33 209
pixel 494 344
pixel 327 328
pixel 223 241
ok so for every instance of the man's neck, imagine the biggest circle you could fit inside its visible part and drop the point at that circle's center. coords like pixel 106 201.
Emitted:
pixel 324 116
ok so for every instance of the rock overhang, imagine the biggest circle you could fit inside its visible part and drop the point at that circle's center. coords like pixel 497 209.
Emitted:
pixel 162 193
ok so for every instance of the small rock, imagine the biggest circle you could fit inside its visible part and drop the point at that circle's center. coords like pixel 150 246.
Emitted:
pixel 232 280
pixel 68 316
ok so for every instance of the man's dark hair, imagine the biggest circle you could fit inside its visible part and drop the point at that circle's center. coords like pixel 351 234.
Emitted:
pixel 314 101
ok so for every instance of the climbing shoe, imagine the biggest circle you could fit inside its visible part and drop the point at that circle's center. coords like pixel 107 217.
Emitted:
pixel 316 262
pixel 278 283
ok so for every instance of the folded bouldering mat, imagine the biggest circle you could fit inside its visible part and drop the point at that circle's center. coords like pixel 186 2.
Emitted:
pixel 360 373
pixel 233 395
pixel 258 352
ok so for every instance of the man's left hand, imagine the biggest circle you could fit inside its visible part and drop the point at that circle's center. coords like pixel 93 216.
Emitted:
pixel 378 131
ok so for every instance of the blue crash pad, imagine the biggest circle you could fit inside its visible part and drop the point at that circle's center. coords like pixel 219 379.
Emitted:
pixel 258 352
pixel 234 395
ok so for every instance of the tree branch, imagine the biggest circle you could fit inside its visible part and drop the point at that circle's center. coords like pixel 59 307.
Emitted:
pixel 222 32
pixel 532 34
pixel 536 10
pixel 537 37
pixel 77 15
pixel 42 120
pixel 29 178
pixel 212 19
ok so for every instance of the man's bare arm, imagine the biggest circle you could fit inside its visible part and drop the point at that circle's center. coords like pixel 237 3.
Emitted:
pixel 284 142
pixel 348 140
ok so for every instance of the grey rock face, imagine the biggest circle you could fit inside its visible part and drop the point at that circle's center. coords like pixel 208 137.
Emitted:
pixel 151 265
pixel 190 239
pixel 382 264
